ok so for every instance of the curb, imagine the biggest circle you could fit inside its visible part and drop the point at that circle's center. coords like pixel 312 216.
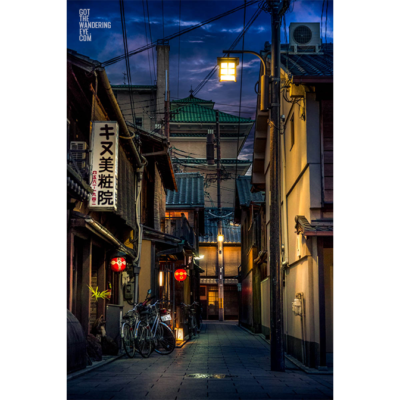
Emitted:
pixel 92 367
pixel 295 361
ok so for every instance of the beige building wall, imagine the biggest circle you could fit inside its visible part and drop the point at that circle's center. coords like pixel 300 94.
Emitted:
pixel 145 270
pixel 144 106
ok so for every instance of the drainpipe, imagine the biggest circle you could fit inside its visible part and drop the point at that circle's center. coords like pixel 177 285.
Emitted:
pixel 120 119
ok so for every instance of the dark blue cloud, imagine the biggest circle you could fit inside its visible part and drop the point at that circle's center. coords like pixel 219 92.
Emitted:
pixel 199 49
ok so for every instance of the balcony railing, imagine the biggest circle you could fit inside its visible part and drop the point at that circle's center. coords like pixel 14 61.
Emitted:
pixel 180 227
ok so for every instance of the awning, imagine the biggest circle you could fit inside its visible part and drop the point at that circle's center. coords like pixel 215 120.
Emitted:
pixel 320 227
pixel 85 221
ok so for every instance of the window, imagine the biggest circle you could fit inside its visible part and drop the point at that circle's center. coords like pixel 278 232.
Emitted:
pixel 138 122
pixel 292 132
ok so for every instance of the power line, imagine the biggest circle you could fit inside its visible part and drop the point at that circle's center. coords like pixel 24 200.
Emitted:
pixel 179 48
pixel 176 34
pixel 233 45
pixel 151 40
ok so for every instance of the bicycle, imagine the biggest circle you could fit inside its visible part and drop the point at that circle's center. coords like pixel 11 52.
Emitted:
pixel 128 332
pixel 164 338
pixel 190 318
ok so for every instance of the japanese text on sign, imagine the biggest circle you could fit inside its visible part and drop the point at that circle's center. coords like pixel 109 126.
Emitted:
pixel 104 165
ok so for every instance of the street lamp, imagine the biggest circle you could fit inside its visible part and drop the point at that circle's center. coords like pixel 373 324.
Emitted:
pixel 227 68
pixel 227 72
pixel 220 238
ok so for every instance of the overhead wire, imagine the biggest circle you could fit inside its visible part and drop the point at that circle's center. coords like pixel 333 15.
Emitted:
pixel 233 45
pixel 179 46
pixel 176 34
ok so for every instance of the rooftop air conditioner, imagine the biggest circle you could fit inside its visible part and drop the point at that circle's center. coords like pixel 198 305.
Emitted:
pixel 304 38
pixel 78 152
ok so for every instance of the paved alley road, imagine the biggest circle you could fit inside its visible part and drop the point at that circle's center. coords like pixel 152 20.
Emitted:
pixel 222 348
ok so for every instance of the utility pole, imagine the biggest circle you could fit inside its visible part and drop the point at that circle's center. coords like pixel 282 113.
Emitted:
pixel 166 106
pixel 220 243
pixel 276 9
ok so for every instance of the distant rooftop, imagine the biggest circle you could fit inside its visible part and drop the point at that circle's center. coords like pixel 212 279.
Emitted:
pixel 190 191
pixel 243 186
pixel 316 65
pixel 231 232
pixel 196 113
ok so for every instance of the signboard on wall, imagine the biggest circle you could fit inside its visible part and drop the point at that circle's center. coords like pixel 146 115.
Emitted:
pixel 104 149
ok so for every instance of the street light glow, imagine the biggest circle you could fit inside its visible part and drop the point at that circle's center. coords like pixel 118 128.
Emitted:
pixel 227 68
pixel 220 238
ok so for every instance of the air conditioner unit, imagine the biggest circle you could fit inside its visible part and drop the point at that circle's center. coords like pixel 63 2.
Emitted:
pixel 304 38
pixel 78 153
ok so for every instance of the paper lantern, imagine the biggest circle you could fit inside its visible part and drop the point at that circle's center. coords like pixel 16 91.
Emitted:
pixel 180 275
pixel 118 264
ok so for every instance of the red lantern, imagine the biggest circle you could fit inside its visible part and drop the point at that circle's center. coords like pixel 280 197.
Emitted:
pixel 118 264
pixel 180 275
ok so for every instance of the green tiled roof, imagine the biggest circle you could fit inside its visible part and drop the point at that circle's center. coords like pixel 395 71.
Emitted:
pixel 134 86
pixel 204 161
pixel 192 99
pixel 190 191
pixel 196 113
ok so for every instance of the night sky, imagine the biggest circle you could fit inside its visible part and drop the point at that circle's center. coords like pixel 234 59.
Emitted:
pixel 199 49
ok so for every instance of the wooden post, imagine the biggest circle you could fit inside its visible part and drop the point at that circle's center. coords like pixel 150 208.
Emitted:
pixel 86 281
pixel 70 271
pixel 102 284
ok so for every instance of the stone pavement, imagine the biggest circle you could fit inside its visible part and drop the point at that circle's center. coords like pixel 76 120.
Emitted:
pixel 241 361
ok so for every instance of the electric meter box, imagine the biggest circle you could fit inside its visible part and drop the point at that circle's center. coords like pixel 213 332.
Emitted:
pixel 296 306
pixel 129 289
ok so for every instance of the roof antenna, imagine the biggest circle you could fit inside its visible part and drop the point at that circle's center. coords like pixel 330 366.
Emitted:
pixel 191 91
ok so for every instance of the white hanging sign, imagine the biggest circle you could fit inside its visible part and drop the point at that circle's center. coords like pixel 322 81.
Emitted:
pixel 104 165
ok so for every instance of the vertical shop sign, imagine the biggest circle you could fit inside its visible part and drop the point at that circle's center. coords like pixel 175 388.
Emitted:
pixel 104 166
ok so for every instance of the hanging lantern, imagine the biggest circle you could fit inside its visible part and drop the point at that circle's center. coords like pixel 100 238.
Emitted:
pixel 118 264
pixel 180 275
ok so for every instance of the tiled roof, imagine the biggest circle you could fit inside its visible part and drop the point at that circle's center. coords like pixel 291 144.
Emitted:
pixel 196 113
pixel 320 65
pixel 192 99
pixel 319 227
pixel 134 86
pixel 204 161
pixel 190 191
pixel 243 186
pixel 231 232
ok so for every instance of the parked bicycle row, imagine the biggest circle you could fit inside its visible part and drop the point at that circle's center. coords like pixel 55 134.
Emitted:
pixel 147 327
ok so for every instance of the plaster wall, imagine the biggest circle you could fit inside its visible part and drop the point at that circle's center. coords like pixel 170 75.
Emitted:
pixel 144 106
pixel 328 272
pixel 197 146
pixel 209 262
pixel 297 281
pixel 298 203
pixel 145 269
pixel 265 306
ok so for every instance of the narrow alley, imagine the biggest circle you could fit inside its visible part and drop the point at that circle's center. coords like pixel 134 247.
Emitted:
pixel 238 360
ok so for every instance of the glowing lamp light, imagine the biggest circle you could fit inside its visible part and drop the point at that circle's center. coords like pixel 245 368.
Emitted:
pixel 179 333
pixel 161 278
pixel 220 238
pixel 118 264
pixel 180 275
pixel 200 257
pixel 227 68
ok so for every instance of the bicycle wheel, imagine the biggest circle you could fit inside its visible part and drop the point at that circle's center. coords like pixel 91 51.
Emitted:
pixel 128 340
pixel 144 340
pixel 165 340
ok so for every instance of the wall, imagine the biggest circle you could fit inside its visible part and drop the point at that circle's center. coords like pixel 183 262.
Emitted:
pixel 231 260
pixel 145 269
pixel 209 262
pixel 144 105
pixel 328 273
pixel 265 307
